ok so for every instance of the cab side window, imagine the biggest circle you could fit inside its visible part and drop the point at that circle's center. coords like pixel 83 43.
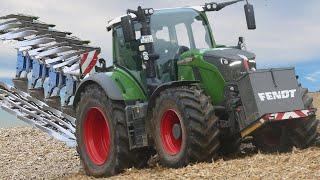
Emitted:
pixel 202 39
pixel 183 36
pixel 123 54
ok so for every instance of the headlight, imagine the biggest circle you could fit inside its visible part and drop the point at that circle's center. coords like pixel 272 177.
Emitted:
pixel 151 11
pixel 148 11
pixel 210 6
pixel 234 63
pixel 224 61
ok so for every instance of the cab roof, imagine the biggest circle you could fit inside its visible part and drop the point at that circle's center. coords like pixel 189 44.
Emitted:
pixel 117 20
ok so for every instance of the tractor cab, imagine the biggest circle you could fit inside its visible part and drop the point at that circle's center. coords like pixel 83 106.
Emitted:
pixel 154 40
pixel 189 29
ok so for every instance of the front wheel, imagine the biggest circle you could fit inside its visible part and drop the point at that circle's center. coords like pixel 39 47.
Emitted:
pixel 184 127
pixel 272 137
pixel 303 131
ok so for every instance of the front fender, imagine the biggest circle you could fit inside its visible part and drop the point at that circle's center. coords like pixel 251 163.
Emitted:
pixel 209 75
pixel 165 86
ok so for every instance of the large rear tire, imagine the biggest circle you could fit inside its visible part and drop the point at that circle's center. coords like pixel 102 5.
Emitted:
pixel 102 136
pixel 184 127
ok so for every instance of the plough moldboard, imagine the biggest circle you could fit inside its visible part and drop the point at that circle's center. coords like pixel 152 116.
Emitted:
pixel 50 64
pixel 48 56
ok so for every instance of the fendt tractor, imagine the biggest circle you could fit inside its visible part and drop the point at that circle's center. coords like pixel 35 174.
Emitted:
pixel 171 92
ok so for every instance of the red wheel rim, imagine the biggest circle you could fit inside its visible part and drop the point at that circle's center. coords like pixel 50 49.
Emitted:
pixel 170 144
pixel 97 136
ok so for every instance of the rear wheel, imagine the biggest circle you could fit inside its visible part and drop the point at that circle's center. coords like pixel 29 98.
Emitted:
pixel 102 136
pixel 184 127
pixel 97 135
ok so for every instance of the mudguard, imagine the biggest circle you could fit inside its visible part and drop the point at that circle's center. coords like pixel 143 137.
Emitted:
pixel 164 86
pixel 104 81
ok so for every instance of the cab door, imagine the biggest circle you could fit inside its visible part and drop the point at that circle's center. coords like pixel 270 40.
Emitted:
pixel 125 56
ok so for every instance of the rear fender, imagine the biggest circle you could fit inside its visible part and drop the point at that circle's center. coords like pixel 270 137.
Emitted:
pixel 118 85
pixel 102 80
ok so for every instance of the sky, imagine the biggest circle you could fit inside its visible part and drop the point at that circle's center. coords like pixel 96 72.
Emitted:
pixel 287 33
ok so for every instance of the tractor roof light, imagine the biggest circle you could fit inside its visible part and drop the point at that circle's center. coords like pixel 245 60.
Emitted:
pixel 213 6
pixel 210 6
pixel 149 11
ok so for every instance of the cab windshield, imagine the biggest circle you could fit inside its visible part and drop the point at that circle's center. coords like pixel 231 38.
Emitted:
pixel 176 30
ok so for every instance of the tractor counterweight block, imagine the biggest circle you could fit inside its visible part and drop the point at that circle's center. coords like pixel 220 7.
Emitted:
pixel 268 91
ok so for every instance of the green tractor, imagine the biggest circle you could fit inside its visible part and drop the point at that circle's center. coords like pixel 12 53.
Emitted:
pixel 172 88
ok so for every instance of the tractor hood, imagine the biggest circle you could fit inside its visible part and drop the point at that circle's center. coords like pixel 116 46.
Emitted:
pixel 230 61
pixel 229 53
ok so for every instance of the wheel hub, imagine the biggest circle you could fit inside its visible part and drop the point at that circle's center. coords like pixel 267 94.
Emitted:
pixel 176 131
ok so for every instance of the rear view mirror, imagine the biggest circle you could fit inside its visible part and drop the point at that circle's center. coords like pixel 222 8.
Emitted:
pixel 128 29
pixel 250 17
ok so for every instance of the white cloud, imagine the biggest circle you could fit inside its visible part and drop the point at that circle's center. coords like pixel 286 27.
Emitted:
pixel 313 77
